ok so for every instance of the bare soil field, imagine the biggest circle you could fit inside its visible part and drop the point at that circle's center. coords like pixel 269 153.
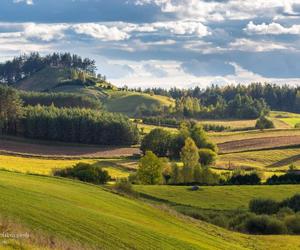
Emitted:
pixel 64 151
pixel 258 143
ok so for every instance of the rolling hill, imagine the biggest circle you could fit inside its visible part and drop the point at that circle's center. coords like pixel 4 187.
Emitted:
pixel 52 79
pixel 72 211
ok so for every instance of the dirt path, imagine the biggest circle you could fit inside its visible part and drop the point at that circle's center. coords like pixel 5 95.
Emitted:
pixel 259 143
pixel 18 147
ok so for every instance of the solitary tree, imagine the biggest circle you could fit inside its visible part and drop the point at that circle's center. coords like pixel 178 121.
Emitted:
pixel 190 158
pixel 150 169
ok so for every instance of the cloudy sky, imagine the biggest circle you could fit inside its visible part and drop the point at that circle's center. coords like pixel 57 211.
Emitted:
pixel 165 43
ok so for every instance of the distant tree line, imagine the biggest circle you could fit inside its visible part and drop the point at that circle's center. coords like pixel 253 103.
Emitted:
pixel 241 107
pixel 63 124
pixel 175 123
pixel 60 100
pixel 24 66
pixel 282 98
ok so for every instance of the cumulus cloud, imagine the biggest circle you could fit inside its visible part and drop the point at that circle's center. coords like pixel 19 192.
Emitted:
pixel 100 31
pixel 221 10
pixel 272 29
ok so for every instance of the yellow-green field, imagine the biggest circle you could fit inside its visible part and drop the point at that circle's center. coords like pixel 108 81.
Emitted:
pixel 221 137
pixel 289 118
pixel 272 160
pixel 46 166
pixel 73 211
pixel 146 129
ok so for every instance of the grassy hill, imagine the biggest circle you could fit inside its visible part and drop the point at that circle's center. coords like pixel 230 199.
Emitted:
pixel 52 79
pixel 73 211
pixel 86 213
pixel 127 102
pixel 44 79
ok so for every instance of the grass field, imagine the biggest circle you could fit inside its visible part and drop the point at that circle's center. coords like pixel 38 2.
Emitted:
pixel 289 118
pixel 146 128
pixel 127 102
pixel 221 137
pixel 218 197
pixel 274 159
pixel 75 211
pixel 46 166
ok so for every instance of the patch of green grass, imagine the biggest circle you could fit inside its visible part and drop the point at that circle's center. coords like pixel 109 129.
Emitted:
pixel 218 197
pixel 86 213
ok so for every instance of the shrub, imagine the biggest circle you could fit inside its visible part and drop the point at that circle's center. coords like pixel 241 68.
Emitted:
pixel 284 211
pixel 292 223
pixel 288 178
pixel 297 125
pixel 263 224
pixel 85 172
pixel 247 179
pixel 293 203
pixel 123 185
pixel 264 123
pixel 207 156
pixel 263 206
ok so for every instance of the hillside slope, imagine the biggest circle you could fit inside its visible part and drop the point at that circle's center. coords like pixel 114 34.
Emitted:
pixel 75 211
pixel 51 79
pixel 127 102
pixel 44 79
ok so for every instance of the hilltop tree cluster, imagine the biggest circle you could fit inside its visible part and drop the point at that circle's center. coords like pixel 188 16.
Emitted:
pixel 24 66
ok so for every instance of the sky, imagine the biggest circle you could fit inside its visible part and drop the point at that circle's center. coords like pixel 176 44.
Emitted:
pixel 163 43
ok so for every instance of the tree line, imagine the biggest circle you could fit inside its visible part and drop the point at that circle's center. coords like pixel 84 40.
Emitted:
pixel 282 98
pixel 241 107
pixel 63 124
pixel 25 65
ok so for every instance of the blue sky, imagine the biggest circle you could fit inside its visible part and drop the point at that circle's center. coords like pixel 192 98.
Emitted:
pixel 164 43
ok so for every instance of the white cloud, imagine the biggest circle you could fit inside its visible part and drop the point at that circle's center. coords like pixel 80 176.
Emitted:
pixel 44 32
pixel 255 46
pixel 272 29
pixel 28 2
pixel 220 10
pixel 100 31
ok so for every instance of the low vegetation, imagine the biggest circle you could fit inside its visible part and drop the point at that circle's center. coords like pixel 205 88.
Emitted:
pixel 85 172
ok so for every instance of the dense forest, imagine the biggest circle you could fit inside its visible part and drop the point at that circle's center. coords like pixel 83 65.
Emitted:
pixel 79 125
pixel 24 66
